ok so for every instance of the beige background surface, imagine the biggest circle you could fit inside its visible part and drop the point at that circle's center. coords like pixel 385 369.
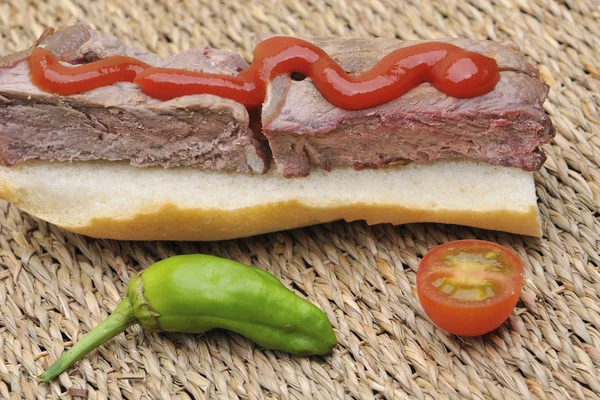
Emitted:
pixel 54 286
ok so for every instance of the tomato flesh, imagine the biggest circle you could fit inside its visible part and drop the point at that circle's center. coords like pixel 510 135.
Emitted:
pixel 469 287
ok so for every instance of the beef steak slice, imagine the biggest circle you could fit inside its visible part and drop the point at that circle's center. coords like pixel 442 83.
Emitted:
pixel 120 122
pixel 504 127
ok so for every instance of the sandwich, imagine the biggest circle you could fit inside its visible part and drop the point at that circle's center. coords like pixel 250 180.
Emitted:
pixel 115 162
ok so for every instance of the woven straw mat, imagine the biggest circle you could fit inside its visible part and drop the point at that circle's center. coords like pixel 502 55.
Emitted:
pixel 55 286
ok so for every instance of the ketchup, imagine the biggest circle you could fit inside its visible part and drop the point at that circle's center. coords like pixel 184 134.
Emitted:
pixel 51 76
pixel 450 69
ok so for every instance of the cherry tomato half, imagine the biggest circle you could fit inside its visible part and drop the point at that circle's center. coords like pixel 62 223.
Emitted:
pixel 469 287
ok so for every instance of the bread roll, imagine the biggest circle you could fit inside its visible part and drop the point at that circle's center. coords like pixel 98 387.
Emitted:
pixel 119 201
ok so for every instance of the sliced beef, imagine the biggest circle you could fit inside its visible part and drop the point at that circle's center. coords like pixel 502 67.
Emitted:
pixel 120 122
pixel 504 127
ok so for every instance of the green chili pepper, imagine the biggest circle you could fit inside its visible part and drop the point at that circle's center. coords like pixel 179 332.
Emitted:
pixel 197 293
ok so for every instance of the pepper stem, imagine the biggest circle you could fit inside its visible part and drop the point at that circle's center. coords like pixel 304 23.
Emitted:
pixel 117 322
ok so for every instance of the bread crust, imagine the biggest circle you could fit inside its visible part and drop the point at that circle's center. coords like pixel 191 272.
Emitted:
pixel 173 223
pixel 170 222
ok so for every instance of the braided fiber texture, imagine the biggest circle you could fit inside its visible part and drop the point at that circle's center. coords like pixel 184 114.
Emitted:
pixel 55 286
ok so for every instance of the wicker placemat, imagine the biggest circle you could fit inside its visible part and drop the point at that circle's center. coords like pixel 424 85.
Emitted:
pixel 54 286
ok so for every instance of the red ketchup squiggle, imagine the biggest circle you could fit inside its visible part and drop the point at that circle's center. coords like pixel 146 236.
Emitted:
pixel 450 69
pixel 49 75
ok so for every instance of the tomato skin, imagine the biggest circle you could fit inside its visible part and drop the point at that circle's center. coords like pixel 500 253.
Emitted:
pixel 469 317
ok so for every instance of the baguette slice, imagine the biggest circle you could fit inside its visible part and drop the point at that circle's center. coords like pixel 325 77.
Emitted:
pixel 119 201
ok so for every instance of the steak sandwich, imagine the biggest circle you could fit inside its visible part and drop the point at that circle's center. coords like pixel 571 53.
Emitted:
pixel 118 161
